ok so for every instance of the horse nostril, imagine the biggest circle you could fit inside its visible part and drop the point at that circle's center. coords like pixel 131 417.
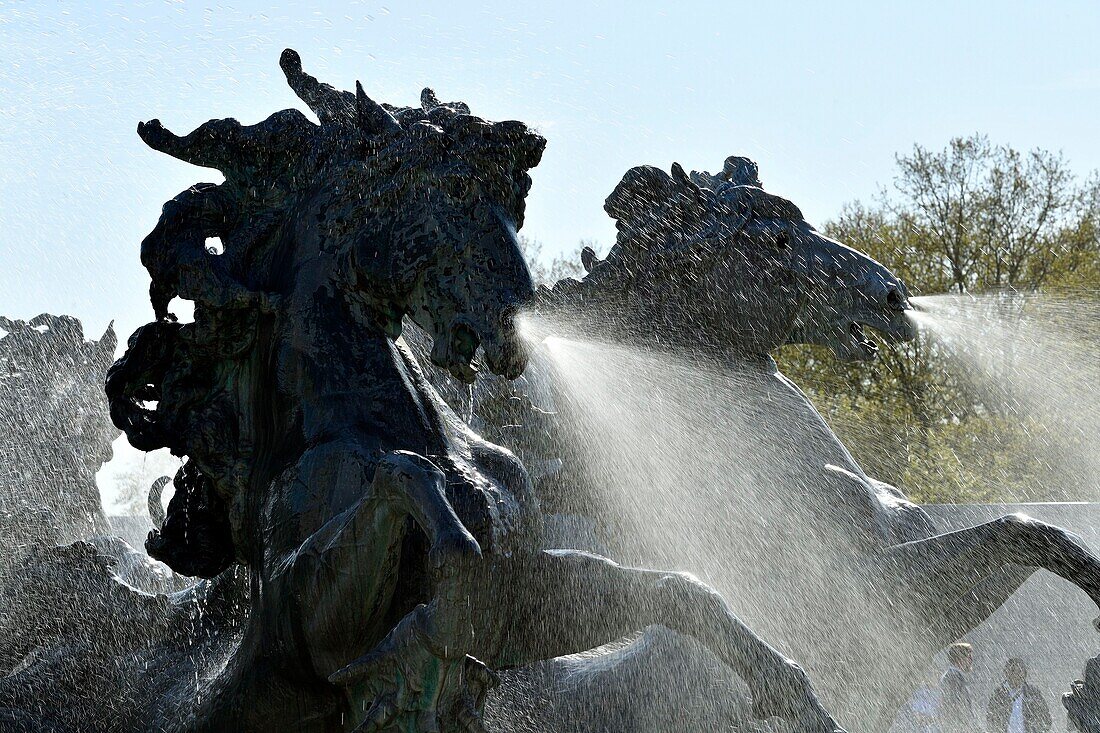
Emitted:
pixel 895 300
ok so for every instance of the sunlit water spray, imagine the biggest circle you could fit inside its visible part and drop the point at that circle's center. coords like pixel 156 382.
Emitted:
pixel 713 465
pixel 1032 358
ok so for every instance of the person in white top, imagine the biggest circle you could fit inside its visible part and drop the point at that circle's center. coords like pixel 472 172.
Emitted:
pixel 920 714
pixel 1016 706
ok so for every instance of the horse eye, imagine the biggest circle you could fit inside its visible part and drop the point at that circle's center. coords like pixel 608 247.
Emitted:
pixel 783 239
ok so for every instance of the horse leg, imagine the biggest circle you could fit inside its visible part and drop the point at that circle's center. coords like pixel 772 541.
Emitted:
pixel 530 607
pixel 537 606
pixel 975 570
pixel 344 574
pixel 980 602
pixel 324 601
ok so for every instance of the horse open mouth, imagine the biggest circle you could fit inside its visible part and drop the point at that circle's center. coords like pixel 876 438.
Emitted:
pixel 862 346
pixel 454 350
pixel 504 351
pixel 500 347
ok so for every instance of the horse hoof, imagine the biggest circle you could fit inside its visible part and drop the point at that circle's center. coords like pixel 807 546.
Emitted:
pixel 786 692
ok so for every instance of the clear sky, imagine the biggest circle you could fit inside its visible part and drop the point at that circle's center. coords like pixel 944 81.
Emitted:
pixel 822 95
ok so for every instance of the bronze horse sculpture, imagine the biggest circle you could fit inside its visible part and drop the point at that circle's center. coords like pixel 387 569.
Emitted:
pixel 53 412
pixel 714 266
pixel 394 557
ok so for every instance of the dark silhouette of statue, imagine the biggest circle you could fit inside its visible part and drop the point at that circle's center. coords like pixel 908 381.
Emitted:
pixel 395 559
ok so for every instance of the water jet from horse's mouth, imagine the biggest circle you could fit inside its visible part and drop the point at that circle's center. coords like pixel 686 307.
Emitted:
pixel 532 329
pixel 677 450
pixel 923 303
pixel 1031 356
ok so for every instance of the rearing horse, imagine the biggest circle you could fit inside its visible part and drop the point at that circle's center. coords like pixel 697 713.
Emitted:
pixel 714 266
pixel 394 555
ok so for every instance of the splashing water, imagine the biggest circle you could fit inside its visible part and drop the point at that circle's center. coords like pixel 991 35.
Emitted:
pixel 1034 358
pixel 715 466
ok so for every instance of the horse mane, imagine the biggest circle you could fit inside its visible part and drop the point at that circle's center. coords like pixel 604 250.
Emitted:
pixel 649 200
pixel 193 372
pixel 372 150
pixel 375 149
pixel 682 220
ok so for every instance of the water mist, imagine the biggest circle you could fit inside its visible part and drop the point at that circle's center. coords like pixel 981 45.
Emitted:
pixel 1031 358
pixel 715 465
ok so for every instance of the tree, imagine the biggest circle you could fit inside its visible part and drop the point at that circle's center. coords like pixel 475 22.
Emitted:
pixel 985 217
pixel 971 218
pixel 545 272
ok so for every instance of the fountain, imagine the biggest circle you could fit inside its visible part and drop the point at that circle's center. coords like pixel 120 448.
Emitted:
pixel 714 267
pixel 51 398
pixel 392 558
pixel 370 563
pixel 1029 355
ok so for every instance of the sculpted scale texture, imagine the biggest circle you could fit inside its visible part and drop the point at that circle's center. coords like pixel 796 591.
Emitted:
pixel 395 557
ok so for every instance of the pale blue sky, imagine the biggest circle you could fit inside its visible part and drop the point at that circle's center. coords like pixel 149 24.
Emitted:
pixel 822 95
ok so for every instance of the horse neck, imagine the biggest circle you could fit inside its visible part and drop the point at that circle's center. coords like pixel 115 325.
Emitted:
pixel 791 411
pixel 389 407
pixel 362 381
pixel 351 378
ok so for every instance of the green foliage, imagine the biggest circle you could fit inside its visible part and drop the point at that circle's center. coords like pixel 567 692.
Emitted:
pixel 975 218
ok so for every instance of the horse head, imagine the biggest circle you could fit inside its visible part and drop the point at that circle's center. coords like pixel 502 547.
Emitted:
pixel 419 204
pixel 424 202
pixel 704 260
pixel 431 234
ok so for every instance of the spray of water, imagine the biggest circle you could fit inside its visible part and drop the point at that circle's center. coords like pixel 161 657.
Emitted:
pixel 1031 358
pixel 717 466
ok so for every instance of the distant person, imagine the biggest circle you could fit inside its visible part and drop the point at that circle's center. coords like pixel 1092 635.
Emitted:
pixel 956 707
pixel 1082 702
pixel 921 712
pixel 1016 706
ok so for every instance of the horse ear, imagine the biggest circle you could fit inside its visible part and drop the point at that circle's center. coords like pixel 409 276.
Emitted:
pixel 681 177
pixel 372 117
pixel 588 258
pixel 104 350
pixel 428 100
pixel 741 171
